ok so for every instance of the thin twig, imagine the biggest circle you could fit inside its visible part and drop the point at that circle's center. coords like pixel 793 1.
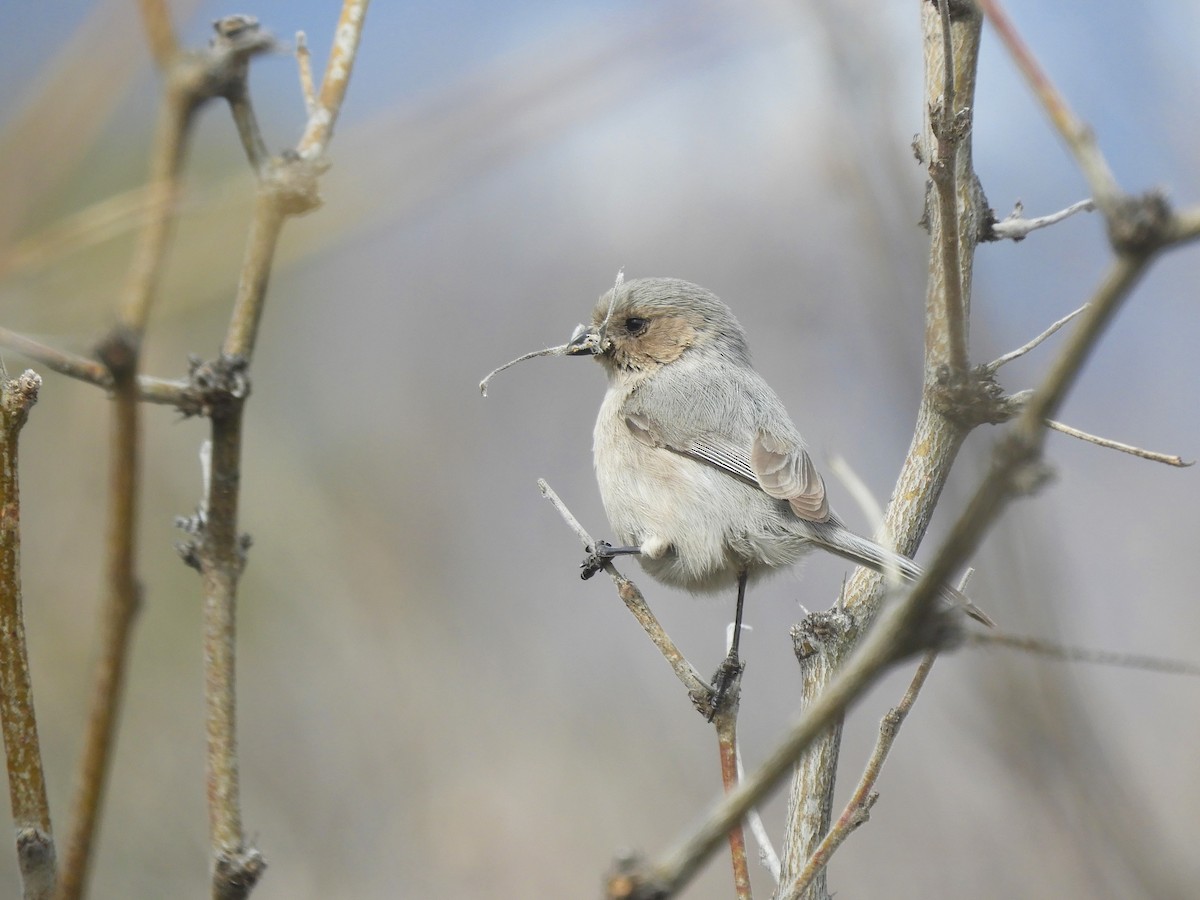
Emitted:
pixel 1078 136
pixel 77 231
pixel 240 37
pixel 162 187
pixel 1015 227
pixel 858 807
pixel 61 361
pixel 1169 459
pixel 1184 226
pixel 767 854
pixel 1066 653
pixel 150 389
pixel 267 225
pixel 165 392
pixel 995 364
pixel 304 64
pixel 22 750
pixel 337 76
pixel 120 353
pixel 687 674
pixel 123 598
pixel 869 660
pixel 160 33
pixel 725 722
pixel 236 866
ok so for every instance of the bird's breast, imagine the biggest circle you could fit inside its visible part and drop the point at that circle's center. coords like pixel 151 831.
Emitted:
pixel 685 515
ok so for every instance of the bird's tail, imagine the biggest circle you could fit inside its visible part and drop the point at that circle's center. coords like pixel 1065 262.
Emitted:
pixel 838 539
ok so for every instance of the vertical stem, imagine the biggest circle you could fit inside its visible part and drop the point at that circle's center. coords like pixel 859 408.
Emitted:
pixel 221 565
pixel 160 33
pixel 956 203
pixel 821 643
pixel 954 215
pixel 120 609
pixel 726 726
pixel 26 779
pixel 265 229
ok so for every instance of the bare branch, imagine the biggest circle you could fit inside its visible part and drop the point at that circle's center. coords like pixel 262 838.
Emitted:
pixel 337 78
pixel 897 629
pixel 287 186
pixel 1065 653
pixel 698 690
pixel 304 64
pixel 995 364
pixel 725 721
pixel 257 260
pixel 951 47
pixel 22 750
pixel 1015 227
pixel 119 353
pixel 858 807
pixel 238 38
pixel 90 226
pixel 1078 136
pixel 766 850
pixel 191 79
pixel 1184 226
pixel 1154 456
pixel 568 516
pixel 160 34
pixel 60 361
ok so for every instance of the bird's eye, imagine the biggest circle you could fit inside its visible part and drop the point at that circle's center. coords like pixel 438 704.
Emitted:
pixel 635 325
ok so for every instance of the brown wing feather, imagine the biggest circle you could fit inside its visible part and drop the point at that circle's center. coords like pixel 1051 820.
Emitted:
pixel 785 471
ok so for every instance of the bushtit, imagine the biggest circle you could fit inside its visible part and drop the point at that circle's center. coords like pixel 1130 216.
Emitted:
pixel 702 473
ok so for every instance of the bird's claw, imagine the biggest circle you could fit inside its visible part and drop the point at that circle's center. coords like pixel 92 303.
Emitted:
pixel 596 559
pixel 726 685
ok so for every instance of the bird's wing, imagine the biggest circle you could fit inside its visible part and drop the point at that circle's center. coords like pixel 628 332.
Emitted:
pixel 786 472
pixel 753 441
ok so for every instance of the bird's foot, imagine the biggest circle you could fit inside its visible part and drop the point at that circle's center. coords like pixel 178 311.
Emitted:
pixel 726 686
pixel 601 553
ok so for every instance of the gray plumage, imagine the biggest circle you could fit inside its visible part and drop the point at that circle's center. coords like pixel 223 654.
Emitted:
pixel 698 463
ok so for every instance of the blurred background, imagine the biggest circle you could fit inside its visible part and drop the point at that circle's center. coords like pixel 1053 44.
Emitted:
pixel 431 702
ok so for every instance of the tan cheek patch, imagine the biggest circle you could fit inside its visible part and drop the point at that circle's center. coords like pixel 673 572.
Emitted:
pixel 666 339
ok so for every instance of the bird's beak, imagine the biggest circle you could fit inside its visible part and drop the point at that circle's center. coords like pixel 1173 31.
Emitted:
pixel 585 341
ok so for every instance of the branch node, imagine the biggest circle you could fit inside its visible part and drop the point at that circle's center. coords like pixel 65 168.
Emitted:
pixel 968 398
pixel 18 397
pixel 819 632
pixel 628 880
pixel 36 858
pixel 213 387
pixel 860 815
pixel 236 872
pixel 1140 225
pixel 293 182
pixel 119 351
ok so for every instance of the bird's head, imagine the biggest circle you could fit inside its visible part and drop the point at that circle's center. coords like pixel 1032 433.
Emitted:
pixel 642 325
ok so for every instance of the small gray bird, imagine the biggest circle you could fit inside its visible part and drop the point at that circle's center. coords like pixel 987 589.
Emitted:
pixel 702 473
